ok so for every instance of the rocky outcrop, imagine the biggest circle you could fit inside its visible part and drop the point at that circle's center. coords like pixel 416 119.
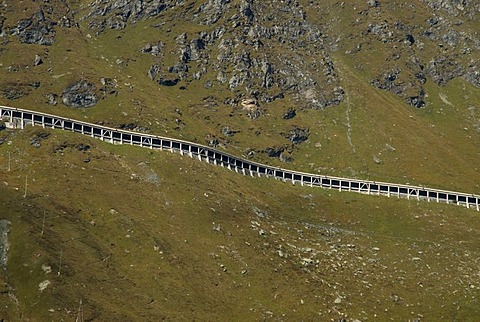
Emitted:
pixel 469 8
pixel 116 14
pixel 13 93
pixel 36 140
pixel 212 141
pixel 14 90
pixel 153 50
pixel 407 84
pixel 80 94
pixel 235 54
pixel 443 69
pixel 473 74
pixel 35 30
pixel 417 101
pixel 408 53
pixel 298 135
pixel 274 152
pixel 388 81
pixel 211 11
pixel 280 153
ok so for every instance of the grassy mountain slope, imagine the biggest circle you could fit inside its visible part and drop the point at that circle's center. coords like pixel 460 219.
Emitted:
pixel 382 90
pixel 368 135
pixel 170 237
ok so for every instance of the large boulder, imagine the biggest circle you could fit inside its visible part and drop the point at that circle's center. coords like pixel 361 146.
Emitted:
pixel 79 94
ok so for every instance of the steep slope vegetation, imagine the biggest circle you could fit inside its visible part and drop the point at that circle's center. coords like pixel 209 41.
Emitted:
pixel 134 234
pixel 335 88
pixel 382 90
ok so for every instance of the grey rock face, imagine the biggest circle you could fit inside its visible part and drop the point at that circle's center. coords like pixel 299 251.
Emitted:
pixel 311 81
pixel 116 14
pixel 36 140
pixel 455 7
pixel 212 141
pixel 80 94
pixel 473 74
pixel 237 54
pixel 443 69
pixel 35 30
pixel 210 12
pixel 382 31
pixel 254 113
pixel 13 94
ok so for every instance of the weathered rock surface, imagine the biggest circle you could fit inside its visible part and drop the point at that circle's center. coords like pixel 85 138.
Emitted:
pixel 81 93
pixel 469 8
pixel 298 135
pixel 35 30
pixel 116 14
pixel 410 60
pixel 235 55
pixel 153 50
pixel 473 74
pixel 443 69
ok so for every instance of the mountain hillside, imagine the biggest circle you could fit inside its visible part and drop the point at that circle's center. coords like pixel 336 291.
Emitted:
pixel 377 89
